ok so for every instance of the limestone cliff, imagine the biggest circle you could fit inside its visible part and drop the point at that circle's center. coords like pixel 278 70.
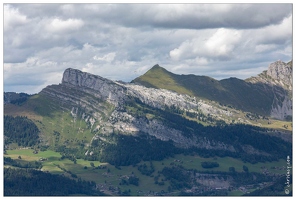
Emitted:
pixel 98 86
pixel 279 75
pixel 85 93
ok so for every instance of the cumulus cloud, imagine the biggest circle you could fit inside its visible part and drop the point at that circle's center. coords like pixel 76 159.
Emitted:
pixel 264 47
pixel 222 43
pixel 219 45
pixel 60 26
pixel 108 57
pixel 13 18
pixel 122 41
pixel 31 76
pixel 280 33
pixel 189 16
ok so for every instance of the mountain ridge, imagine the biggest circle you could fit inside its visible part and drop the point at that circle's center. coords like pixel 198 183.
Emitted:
pixel 92 123
pixel 232 91
pixel 107 105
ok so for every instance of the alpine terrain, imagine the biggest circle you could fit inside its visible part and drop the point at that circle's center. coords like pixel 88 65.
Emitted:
pixel 161 134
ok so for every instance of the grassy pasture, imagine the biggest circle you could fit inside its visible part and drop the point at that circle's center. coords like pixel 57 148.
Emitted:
pixel 146 183
pixel 187 161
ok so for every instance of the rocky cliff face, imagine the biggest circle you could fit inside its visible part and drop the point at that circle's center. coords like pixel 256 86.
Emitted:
pixel 98 86
pixel 279 74
pixel 117 93
pixel 100 101
pixel 102 104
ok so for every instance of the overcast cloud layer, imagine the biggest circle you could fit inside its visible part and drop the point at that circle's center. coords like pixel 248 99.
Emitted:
pixel 122 41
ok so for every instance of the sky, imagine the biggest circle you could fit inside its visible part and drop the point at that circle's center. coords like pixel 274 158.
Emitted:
pixel 123 41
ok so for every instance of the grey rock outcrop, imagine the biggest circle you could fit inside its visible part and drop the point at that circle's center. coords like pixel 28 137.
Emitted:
pixel 281 74
pixel 278 75
pixel 281 111
pixel 98 86
pixel 117 92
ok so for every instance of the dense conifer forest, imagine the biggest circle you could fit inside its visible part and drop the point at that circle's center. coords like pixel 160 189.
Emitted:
pixel 28 182
pixel 20 130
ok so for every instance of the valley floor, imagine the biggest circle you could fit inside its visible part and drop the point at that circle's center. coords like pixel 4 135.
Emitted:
pixel 152 179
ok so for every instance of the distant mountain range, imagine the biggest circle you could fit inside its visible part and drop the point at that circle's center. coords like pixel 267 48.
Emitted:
pixel 160 114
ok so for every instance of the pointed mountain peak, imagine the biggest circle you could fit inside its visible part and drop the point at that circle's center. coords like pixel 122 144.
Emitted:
pixel 157 67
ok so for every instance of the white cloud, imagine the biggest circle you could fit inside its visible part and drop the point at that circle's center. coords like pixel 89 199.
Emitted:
pixel 201 16
pixel 13 18
pixel 67 9
pixel 107 58
pixel 89 67
pixel 264 47
pixel 279 33
pixel 58 25
pixel 222 43
pixel 175 54
pixel 32 75
pixel 219 46
pixel 189 49
pixel 200 61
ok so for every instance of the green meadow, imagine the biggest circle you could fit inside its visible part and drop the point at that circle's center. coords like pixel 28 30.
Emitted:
pixel 104 173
